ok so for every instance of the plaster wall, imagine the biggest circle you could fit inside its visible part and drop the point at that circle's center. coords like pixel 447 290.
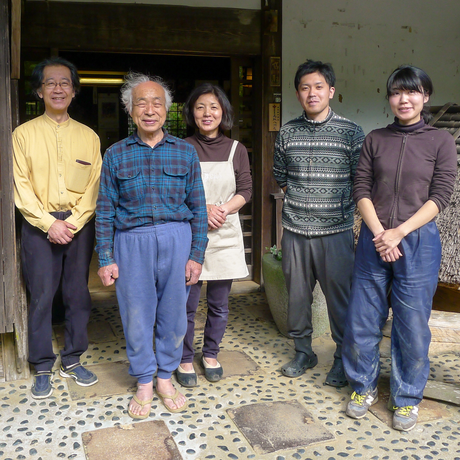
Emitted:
pixel 365 40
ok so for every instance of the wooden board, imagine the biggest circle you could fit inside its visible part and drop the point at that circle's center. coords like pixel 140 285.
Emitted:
pixel 141 28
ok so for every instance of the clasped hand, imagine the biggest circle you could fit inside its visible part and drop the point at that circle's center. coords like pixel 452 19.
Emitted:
pixel 59 232
pixel 217 215
pixel 386 244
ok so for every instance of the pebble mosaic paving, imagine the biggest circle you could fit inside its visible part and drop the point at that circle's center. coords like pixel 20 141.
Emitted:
pixel 59 427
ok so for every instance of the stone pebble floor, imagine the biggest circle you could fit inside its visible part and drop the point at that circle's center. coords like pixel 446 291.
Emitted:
pixel 52 428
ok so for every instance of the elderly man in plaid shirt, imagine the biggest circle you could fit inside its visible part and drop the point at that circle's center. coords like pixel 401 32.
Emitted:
pixel 151 226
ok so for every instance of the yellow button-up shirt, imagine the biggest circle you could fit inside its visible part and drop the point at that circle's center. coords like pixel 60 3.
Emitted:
pixel 56 168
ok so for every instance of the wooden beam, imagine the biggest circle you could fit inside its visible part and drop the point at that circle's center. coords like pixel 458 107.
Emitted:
pixel 141 28
pixel 271 47
pixel 7 226
pixel 16 39
pixel 13 311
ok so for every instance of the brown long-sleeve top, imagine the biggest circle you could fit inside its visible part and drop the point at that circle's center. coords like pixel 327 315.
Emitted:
pixel 218 149
pixel 402 167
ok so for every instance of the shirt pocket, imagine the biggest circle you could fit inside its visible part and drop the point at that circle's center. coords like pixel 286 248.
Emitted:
pixel 130 183
pixel 77 176
pixel 175 181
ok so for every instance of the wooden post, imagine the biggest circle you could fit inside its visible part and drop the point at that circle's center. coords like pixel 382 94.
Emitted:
pixel 15 39
pixel 271 48
pixel 13 313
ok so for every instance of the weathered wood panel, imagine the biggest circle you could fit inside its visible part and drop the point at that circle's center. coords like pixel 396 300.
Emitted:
pixel 141 28
pixel 8 288
pixel 13 311
pixel 265 184
pixel 15 38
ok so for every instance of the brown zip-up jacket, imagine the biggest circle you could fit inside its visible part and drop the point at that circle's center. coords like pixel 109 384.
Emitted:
pixel 402 167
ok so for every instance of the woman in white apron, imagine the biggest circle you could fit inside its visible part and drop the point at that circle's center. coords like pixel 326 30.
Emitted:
pixel 226 175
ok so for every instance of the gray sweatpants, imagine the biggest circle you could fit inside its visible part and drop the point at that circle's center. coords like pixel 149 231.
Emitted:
pixel 328 260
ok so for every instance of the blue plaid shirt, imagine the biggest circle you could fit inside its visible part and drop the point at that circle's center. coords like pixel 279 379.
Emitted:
pixel 143 185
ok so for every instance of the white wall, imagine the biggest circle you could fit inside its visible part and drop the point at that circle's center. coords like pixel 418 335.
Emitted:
pixel 365 40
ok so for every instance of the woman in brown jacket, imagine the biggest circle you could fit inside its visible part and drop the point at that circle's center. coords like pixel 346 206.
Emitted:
pixel 405 177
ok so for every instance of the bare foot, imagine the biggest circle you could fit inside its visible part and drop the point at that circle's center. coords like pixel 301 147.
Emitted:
pixel 187 367
pixel 165 387
pixel 144 393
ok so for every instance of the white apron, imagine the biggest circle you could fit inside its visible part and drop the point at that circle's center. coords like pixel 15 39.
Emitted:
pixel 224 258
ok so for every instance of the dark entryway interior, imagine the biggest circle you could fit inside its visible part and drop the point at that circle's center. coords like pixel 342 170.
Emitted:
pixel 98 104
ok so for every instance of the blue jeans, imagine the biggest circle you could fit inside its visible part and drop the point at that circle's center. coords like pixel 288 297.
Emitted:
pixel 412 280
pixel 151 295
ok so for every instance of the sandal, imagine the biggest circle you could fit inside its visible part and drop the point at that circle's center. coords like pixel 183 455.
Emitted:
pixel 173 397
pixel 336 376
pixel 142 404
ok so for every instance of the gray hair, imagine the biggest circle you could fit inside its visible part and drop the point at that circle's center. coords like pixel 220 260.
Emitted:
pixel 133 79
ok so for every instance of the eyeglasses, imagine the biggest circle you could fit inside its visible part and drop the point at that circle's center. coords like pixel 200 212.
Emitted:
pixel 52 84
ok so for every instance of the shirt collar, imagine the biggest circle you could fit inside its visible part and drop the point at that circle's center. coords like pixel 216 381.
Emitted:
pixel 135 139
pixel 308 120
pixel 53 123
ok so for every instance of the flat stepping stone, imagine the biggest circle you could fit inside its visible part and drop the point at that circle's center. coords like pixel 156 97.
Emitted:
pixel 270 427
pixel 140 441
pixel 98 332
pixel 429 410
pixel 113 380
pixel 440 391
pixel 444 326
pixel 235 363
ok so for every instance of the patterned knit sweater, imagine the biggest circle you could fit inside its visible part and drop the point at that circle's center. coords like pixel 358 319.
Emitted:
pixel 316 161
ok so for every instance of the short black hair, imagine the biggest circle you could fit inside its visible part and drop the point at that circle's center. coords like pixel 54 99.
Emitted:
pixel 36 79
pixel 411 78
pixel 325 69
pixel 209 88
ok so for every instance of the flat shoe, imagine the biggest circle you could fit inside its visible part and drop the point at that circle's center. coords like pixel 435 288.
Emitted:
pixel 336 376
pixel 212 374
pixel 186 379
pixel 299 364
pixel 173 397
pixel 142 404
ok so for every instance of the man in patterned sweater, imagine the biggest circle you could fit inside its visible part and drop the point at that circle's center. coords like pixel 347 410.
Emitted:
pixel 315 159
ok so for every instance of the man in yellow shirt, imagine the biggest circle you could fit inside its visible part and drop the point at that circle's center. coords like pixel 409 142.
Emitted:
pixel 57 163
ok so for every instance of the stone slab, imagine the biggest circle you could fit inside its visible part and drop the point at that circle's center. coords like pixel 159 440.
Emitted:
pixel 98 332
pixel 113 380
pixel 270 427
pixel 444 326
pixel 235 363
pixel 429 410
pixel 440 391
pixel 140 441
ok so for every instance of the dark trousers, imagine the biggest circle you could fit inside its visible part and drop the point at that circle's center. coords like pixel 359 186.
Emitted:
pixel 413 280
pixel 44 264
pixel 328 260
pixel 217 296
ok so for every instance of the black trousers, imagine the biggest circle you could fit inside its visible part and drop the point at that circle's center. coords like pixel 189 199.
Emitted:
pixel 44 264
pixel 328 260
